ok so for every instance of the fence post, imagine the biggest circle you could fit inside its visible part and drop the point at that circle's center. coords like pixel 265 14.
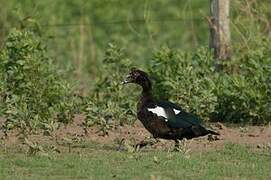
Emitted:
pixel 220 28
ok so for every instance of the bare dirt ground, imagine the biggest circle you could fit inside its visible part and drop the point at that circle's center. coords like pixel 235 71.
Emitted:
pixel 258 137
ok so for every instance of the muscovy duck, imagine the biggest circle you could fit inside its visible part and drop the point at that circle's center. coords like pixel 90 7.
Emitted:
pixel 164 119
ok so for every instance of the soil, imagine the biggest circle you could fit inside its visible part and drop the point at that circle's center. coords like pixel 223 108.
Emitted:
pixel 258 137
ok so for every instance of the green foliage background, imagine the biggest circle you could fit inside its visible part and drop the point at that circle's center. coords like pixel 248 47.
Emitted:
pixel 92 44
pixel 33 94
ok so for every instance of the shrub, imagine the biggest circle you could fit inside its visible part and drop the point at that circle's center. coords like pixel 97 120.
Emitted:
pixel 244 89
pixel 186 78
pixel 241 92
pixel 238 93
pixel 109 102
pixel 33 95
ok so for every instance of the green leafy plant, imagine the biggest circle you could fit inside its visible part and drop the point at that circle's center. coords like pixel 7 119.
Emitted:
pixel 187 79
pixel 244 88
pixel 239 93
pixel 33 94
pixel 108 104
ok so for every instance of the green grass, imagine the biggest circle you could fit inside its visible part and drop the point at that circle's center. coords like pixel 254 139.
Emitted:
pixel 232 162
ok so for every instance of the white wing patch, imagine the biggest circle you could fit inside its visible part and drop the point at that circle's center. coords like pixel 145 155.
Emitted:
pixel 159 111
pixel 166 113
pixel 176 111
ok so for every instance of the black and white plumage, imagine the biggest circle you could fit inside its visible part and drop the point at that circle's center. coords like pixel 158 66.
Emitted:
pixel 164 119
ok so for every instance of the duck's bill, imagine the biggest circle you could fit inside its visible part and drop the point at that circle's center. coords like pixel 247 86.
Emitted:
pixel 127 80
pixel 124 82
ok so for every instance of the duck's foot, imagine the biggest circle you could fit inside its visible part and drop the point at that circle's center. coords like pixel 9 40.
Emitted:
pixel 140 145
pixel 123 145
pixel 120 145
pixel 149 141
pixel 213 137
pixel 181 146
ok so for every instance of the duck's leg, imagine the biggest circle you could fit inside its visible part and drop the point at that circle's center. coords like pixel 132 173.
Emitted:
pixel 182 146
pixel 177 145
pixel 141 144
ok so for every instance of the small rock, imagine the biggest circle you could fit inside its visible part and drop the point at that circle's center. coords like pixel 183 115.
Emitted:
pixel 253 135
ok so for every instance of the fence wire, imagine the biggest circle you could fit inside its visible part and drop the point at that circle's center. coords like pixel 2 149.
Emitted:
pixel 117 22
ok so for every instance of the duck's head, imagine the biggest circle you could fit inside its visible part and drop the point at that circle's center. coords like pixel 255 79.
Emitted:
pixel 139 77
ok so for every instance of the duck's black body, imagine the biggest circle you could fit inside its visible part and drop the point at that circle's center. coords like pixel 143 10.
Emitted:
pixel 164 119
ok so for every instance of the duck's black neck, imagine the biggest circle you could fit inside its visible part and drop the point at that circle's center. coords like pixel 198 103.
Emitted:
pixel 145 99
pixel 146 86
pixel 146 95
